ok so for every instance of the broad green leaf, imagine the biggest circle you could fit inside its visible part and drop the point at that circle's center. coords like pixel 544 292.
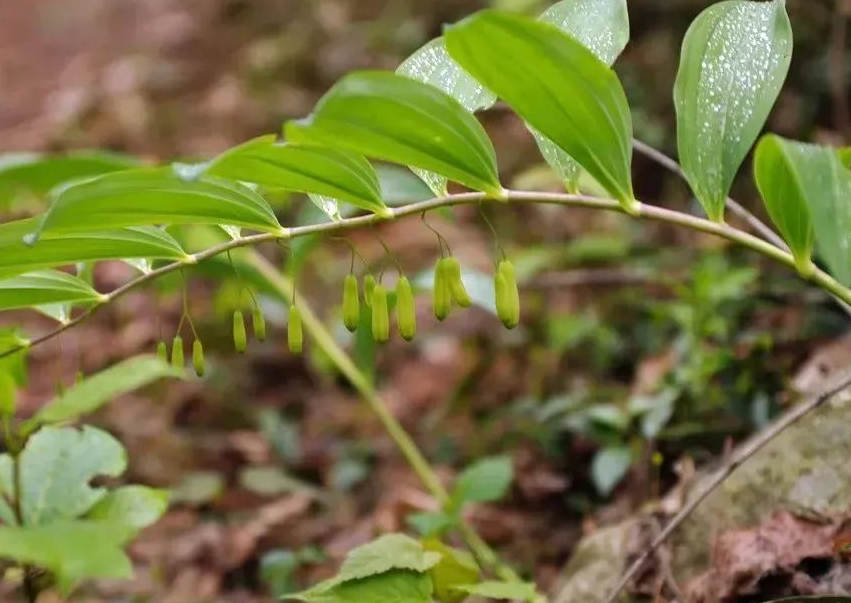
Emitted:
pixel 61 313
pixel 8 394
pixel 44 287
pixel 95 391
pixel 34 174
pixel 519 591
pixel 56 468
pixel 431 64
pixel 16 257
pixel 484 481
pixel 386 553
pixel 394 118
pixel 558 86
pixel 155 196
pixel 431 524
pixel 72 550
pixel 399 186
pixel 395 586
pixel 734 60
pixel 602 26
pixel 133 506
pixel 845 156
pixel 828 193
pixel 786 173
pixel 302 168
pixel 14 364
pixel 456 567
pixel 608 468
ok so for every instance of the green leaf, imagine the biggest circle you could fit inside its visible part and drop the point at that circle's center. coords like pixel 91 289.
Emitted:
pixel 734 60
pixel 44 287
pixel 602 26
pixel 520 591
pixel 558 86
pixel 133 506
pixel 396 586
pixel 399 186
pixel 72 550
pixel 386 553
pixel 156 196
pixel 16 257
pixel 33 174
pixel 56 467
pixel 302 168
pixel 431 524
pixel 456 567
pixel 14 364
pixel 485 480
pixel 95 391
pixel 786 174
pixel 397 119
pixel 828 191
pixel 609 467
pixel 432 65
pixel 845 156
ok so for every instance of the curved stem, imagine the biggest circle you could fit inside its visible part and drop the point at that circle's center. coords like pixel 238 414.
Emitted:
pixel 651 212
pixel 325 341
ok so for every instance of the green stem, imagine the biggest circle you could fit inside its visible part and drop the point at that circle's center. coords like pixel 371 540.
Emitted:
pixel 321 337
pixel 650 212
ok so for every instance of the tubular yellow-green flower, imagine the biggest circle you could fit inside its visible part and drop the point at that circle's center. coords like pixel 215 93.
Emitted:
pixel 406 311
pixel 380 315
pixel 240 340
pixel 177 359
pixel 368 286
pixel 441 294
pixel 452 269
pixel 258 323
pixel 295 334
pixel 351 303
pixel 198 358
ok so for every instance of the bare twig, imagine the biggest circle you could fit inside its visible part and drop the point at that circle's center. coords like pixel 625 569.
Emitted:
pixel 755 223
pixel 751 448
pixel 752 221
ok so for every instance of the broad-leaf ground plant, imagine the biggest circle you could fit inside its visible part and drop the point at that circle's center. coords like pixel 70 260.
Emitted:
pixel 555 73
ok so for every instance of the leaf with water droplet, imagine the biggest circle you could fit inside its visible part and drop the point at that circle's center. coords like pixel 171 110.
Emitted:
pixel 557 85
pixel 431 64
pixel 734 61
pixel 602 26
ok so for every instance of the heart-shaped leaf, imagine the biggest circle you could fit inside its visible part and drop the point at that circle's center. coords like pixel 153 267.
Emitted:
pixel 302 168
pixel 44 287
pixel 557 85
pixel 394 118
pixel 142 242
pixel 734 61
pixel 71 550
pixel 56 468
pixel 156 196
pixel 787 173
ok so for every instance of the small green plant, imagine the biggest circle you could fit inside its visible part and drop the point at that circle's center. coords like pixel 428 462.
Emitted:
pixel 555 73
pixel 57 527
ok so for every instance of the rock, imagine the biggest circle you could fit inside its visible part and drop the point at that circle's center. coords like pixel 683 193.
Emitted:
pixel 805 471
pixel 597 563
